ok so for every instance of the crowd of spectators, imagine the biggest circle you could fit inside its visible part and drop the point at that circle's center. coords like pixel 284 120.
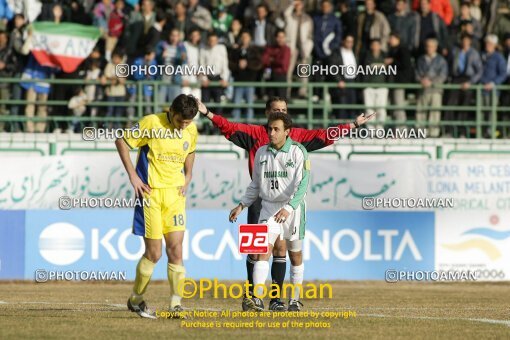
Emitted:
pixel 431 42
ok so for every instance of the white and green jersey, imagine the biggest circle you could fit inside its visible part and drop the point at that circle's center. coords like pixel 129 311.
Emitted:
pixel 279 176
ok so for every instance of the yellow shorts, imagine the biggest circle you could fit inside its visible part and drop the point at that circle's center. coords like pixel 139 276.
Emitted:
pixel 164 213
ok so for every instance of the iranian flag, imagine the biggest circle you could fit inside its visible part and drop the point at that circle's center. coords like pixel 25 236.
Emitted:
pixel 63 45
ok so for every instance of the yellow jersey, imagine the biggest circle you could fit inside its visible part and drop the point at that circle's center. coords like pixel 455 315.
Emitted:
pixel 162 150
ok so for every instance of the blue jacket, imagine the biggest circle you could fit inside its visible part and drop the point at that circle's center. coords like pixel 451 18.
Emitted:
pixel 147 89
pixel 474 67
pixel 34 70
pixel 322 27
pixel 494 69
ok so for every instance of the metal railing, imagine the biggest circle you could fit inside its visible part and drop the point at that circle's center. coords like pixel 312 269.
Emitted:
pixel 308 112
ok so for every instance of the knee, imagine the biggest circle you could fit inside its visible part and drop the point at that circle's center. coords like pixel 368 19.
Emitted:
pixel 296 257
pixel 153 255
pixel 174 252
pixel 279 249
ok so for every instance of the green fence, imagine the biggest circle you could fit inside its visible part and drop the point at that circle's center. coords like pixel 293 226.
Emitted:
pixel 308 112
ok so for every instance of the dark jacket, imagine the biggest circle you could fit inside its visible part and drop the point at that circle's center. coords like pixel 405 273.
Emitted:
pixel 323 26
pixel 378 62
pixel 254 61
pixel 269 34
pixel 402 60
pixel 406 27
pixel 440 31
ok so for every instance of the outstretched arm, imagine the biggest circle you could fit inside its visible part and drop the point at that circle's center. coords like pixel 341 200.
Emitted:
pixel 242 135
pixel 319 138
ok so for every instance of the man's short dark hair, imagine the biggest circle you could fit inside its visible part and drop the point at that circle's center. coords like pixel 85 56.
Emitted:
pixel 273 99
pixel 161 15
pixel 185 105
pixel 466 35
pixel 212 34
pixel 285 118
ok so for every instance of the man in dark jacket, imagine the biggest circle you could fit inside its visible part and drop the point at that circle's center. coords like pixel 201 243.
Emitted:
pixel 327 35
pixel 465 70
pixel 245 62
pixel 399 57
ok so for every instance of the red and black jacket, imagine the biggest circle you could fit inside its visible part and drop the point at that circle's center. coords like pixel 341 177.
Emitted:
pixel 252 137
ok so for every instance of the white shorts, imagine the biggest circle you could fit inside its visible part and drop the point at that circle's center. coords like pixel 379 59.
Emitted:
pixel 292 230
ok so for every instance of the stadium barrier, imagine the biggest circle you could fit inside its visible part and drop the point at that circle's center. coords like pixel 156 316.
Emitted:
pixel 317 113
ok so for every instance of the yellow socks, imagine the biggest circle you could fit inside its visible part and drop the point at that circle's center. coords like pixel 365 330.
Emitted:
pixel 144 271
pixel 176 275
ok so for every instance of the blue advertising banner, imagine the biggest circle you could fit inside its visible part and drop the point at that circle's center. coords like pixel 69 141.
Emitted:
pixel 338 244
pixel 12 244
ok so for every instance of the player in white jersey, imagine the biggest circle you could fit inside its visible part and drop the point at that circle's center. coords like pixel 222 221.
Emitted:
pixel 280 177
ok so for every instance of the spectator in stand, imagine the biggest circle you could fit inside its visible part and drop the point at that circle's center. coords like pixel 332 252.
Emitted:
pixel 93 92
pixel 17 40
pixel 375 98
pixel 151 39
pixel 78 105
pixel 443 8
pixel 78 15
pixel 430 25
pixel 101 15
pixel 245 63
pixel 7 64
pixel 221 23
pixel 171 52
pixel 190 82
pixel 502 24
pixel 6 14
pixel 404 22
pixel 200 16
pixel 465 70
pixel 181 21
pixel 348 17
pixel 431 70
pixel 327 35
pixel 465 23
pixel 214 55
pixel 133 32
pixel 399 57
pixel 505 97
pixel 149 59
pixel 494 72
pixel 234 34
pixel 149 16
pixel 115 89
pixel 261 28
pixel 115 27
pixel 277 59
pixel 299 33
pixel 31 9
pixel 372 24
pixel 36 93
pixel 342 94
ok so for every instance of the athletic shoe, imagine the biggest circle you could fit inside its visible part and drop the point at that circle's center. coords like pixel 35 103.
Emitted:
pixel 294 305
pixel 177 312
pixel 253 303
pixel 277 305
pixel 141 309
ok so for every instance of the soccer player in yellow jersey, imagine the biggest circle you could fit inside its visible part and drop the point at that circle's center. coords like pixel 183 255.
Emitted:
pixel 162 175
